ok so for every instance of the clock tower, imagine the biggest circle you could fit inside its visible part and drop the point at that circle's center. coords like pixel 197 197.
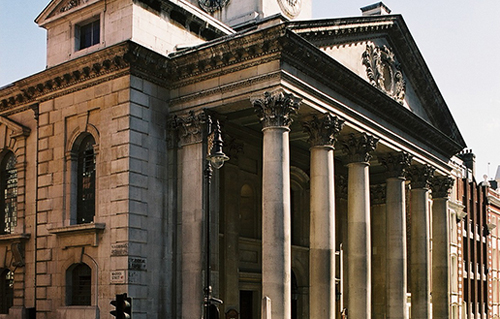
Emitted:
pixel 240 12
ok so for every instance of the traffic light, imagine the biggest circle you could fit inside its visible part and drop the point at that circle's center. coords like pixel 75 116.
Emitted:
pixel 123 307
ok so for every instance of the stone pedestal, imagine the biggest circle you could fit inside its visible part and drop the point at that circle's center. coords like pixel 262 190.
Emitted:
pixel 358 225
pixel 419 247
pixel 274 110
pixel 322 244
pixel 440 248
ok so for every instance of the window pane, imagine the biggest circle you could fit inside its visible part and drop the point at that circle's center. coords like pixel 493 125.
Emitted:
pixel 89 34
pixel 86 182
pixel 6 290
pixel 8 189
pixel 81 285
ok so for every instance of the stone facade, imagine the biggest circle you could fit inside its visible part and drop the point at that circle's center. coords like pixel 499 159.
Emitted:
pixel 314 116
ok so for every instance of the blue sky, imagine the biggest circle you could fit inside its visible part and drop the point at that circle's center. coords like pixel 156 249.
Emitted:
pixel 458 39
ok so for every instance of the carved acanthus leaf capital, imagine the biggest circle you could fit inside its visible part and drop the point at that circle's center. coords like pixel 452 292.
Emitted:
pixel 323 130
pixel 397 164
pixel 189 127
pixel 359 147
pixel 421 176
pixel 276 108
pixel 378 194
pixel 341 186
pixel 441 186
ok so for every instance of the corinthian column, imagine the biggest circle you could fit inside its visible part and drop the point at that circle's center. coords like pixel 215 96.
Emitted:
pixel 441 187
pixel 189 128
pixel 358 149
pixel 396 165
pixel 419 244
pixel 274 111
pixel 322 132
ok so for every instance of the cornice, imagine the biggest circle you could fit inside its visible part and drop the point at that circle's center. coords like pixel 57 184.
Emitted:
pixel 312 61
pixel 329 32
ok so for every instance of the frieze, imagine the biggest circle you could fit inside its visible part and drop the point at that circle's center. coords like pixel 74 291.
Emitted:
pixel 323 130
pixel 276 108
pixel 384 72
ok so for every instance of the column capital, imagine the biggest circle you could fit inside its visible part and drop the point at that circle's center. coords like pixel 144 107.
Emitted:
pixel 341 186
pixel 441 186
pixel 359 146
pixel 274 109
pixel 421 176
pixel 323 130
pixel 378 194
pixel 397 164
pixel 189 126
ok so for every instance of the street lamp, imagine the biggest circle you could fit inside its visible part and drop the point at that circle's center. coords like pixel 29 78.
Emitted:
pixel 216 158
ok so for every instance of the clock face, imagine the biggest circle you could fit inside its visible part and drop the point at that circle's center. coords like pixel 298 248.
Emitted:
pixel 212 5
pixel 290 7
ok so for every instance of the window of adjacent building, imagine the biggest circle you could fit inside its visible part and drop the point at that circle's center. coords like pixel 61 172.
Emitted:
pixel 79 285
pixel 6 290
pixel 87 34
pixel 86 181
pixel 8 193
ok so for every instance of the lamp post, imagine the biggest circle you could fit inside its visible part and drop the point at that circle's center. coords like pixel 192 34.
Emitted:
pixel 216 158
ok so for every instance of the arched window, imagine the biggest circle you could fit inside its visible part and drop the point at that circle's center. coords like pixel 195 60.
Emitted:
pixel 8 193
pixel 79 285
pixel 6 290
pixel 85 210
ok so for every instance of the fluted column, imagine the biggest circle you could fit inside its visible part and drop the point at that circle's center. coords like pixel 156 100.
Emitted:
pixel 379 251
pixel 397 165
pixel 322 132
pixel 190 127
pixel 358 149
pixel 441 187
pixel 274 111
pixel 419 245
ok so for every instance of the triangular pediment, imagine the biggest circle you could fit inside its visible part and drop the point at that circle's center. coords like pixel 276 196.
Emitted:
pixel 59 8
pixel 381 51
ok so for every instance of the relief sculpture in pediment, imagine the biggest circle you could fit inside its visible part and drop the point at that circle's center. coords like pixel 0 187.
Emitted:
pixel 384 72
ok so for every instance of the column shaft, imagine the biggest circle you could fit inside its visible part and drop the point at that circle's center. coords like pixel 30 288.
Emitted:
pixel 322 251
pixel 276 244
pixel 396 249
pixel 419 250
pixel 359 254
pixel 440 259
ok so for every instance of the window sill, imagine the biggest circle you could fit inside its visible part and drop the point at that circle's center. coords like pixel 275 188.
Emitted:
pixel 14 237
pixel 78 235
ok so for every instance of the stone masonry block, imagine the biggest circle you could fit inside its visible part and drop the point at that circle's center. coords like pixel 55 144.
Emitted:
pixel 47 130
pixel 45 180
pixel 139 98
pixel 43 280
pixel 44 254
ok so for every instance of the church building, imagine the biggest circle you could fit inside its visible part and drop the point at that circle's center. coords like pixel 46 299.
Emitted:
pixel 226 155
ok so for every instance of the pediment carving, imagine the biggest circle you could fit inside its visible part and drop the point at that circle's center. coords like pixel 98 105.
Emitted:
pixel 384 71
pixel 65 6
